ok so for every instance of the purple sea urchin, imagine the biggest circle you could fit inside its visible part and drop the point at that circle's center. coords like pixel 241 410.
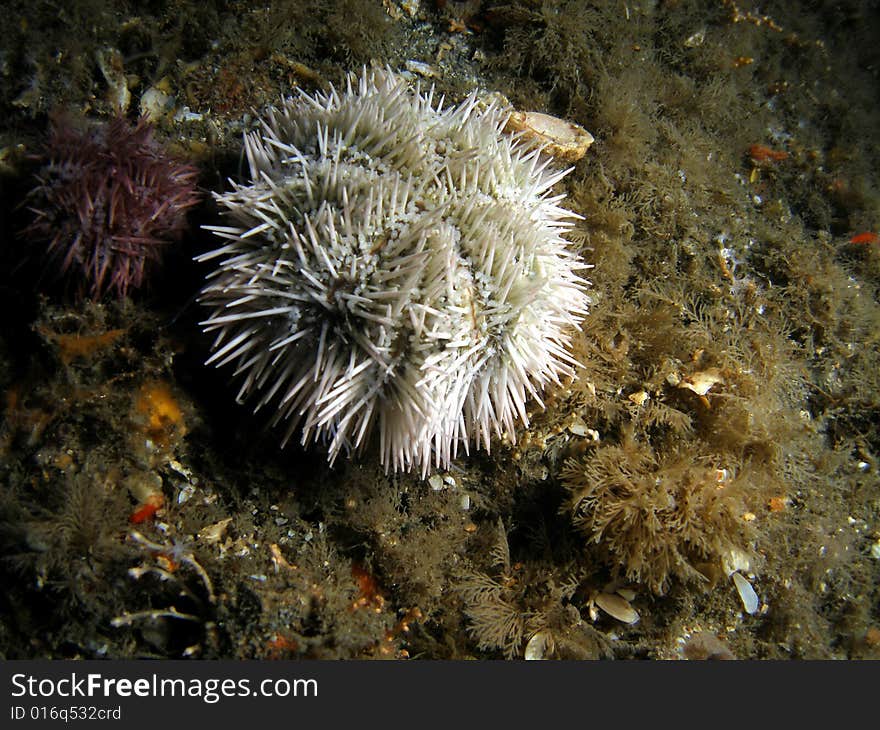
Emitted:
pixel 394 267
pixel 108 199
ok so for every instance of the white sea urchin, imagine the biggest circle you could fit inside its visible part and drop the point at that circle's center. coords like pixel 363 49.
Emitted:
pixel 394 266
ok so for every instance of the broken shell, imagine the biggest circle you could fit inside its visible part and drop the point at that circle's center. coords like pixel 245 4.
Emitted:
pixel 539 646
pixel 422 69
pixel 559 138
pixel 735 560
pixel 143 485
pixel 617 607
pixel 213 533
pixel 186 493
pixel 156 104
pixel 110 63
pixel 639 398
pixel 746 593
pixel 700 383
pixel 579 428
pixel 674 379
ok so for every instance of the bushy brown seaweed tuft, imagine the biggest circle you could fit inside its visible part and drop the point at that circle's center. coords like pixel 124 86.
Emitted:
pixel 657 516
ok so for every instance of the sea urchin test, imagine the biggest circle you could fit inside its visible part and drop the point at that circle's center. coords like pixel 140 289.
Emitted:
pixel 395 273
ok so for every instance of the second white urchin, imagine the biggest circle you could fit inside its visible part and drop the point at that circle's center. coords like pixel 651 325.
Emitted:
pixel 394 271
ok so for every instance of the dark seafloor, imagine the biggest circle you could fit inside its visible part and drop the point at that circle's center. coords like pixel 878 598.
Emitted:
pixel 722 436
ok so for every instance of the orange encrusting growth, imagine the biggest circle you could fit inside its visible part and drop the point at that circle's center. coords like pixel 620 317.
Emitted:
pixel 866 238
pixel 777 504
pixel 158 410
pixel 280 647
pixel 368 588
pixel 74 347
pixel 761 154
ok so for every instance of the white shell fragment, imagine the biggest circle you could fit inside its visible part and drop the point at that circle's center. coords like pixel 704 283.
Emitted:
pixel 736 560
pixel 422 69
pixel 186 493
pixel 436 482
pixel 156 104
pixel 746 593
pixel 110 63
pixel 579 428
pixel 617 607
pixel 539 646
pixel 702 382
pixel 564 140
pixel 214 533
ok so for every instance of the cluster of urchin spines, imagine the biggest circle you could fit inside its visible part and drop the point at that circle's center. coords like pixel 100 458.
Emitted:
pixel 108 200
pixel 394 266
